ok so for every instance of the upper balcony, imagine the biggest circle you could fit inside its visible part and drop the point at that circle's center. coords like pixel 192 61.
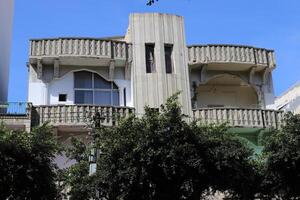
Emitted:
pixel 237 56
pixel 68 50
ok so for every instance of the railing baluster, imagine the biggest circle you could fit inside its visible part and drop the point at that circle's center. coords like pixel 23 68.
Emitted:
pixel 245 117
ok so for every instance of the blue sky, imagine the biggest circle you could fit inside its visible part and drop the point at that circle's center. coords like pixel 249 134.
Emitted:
pixel 273 24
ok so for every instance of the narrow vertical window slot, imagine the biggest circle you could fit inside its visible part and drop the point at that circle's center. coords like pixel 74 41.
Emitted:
pixel 168 58
pixel 150 59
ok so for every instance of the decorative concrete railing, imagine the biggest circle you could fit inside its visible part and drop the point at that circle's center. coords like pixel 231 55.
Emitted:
pixel 240 117
pixel 203 54
pixel 80 47
pixel 78 114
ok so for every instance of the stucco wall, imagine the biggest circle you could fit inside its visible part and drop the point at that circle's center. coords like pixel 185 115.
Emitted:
pixel 228 96
pixel 46 90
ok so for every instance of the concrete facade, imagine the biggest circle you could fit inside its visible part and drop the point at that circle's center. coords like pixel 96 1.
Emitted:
pixel 239 76
pixel 218 83
pixel 154 88
pixel 6 20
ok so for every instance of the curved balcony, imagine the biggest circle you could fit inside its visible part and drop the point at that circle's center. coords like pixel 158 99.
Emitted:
pixel 79 47
pixel 240 117
pixel 231 54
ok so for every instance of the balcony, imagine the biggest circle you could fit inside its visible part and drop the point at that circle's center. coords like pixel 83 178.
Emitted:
pixel 16 115
pixel 240 117
pixel 24 115
pixel 230 54
pixel 78 115
pixel 64 48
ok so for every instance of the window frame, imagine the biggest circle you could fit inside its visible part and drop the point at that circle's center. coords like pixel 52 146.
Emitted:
pixel 167 69
pixel 152 68
pixel 93 90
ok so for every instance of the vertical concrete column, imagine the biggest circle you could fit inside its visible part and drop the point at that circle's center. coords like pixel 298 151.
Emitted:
pixel 154 88
pixel 121 97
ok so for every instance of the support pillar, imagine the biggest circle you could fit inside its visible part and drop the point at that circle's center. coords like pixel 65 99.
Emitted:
pixel 112 70
pixel 56 69
pixel 39 69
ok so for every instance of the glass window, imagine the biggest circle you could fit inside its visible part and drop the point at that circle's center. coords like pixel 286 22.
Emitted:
pixel 83 97
pixel 90 88
pixel 116 98
pixel 101 83
pixel 83 79
pixel 168 58
pixel 150 59
pixel 102 98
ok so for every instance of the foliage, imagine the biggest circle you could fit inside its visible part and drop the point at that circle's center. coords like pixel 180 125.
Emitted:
pixel 150 2
pixel 77 176
pixel 26 167
pixel 282 167
pixel 161 156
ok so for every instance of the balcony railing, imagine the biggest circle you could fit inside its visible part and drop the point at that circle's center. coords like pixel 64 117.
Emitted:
pixel 73 115
pixel 203 54
pixel 80 47
pixel 78 114
pixel 240 117
pixel 14 109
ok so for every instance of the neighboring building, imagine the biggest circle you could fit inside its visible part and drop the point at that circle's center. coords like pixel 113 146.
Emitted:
pixel 289 100
pixel 6 17
pixel 72 78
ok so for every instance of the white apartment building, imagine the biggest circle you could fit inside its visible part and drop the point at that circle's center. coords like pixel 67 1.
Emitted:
pixel 289 100
pixel 70 79
pixel 6 20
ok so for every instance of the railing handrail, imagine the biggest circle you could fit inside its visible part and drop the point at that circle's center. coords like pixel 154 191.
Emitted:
pixel 79 38
pixel 240 108
pixel 95 105
pixel 230 45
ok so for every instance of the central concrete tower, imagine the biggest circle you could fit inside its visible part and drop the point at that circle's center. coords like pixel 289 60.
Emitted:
pixel 160 64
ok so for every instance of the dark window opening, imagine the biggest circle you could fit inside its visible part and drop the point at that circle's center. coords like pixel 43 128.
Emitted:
pixel 168 58
pixel 150 59
pixel 62 97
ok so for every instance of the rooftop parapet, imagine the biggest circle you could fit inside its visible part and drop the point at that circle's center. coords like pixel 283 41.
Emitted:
pixel 233 54
pixel 83 47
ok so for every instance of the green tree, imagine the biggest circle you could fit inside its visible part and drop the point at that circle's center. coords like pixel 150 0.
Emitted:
pixel 161 156
pixel 282 167
pixel 26 167
pixel 77 176
pixel 150 2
